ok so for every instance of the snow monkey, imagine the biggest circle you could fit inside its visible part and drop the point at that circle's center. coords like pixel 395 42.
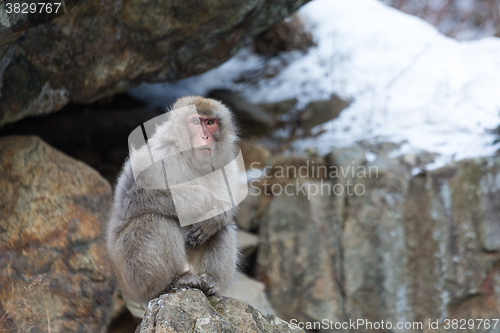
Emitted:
pixel 171 223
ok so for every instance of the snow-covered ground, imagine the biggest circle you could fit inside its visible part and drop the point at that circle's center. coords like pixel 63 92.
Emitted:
pixel 408 82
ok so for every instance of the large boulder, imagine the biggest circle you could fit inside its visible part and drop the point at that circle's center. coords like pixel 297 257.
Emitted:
pixel 397 244
pixel 54 276
pixel 105 46
pixel 191 311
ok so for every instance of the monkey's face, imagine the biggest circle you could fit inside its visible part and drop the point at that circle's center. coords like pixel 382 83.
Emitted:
pixel 202 130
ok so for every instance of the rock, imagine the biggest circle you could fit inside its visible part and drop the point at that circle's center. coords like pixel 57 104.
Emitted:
pixel 103 47
pixel 398 248
pixel 254 155
pixel 191 311
pixel 248 212
pixel 286 36
pixel 247 243
pixel 252 120
pixel 319 112
pixel 279 108
pixel 54 275
pixel 250 291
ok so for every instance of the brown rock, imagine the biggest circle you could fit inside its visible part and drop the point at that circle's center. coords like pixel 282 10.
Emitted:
pixel 319 112
pixel 54 275
pixel 254 153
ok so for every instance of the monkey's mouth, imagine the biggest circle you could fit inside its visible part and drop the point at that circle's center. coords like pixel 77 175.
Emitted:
pixel 203 151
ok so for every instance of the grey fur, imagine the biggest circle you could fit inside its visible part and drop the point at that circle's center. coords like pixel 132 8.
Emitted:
pixel 149 251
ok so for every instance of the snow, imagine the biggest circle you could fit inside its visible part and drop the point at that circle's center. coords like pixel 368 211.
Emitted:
pixel 408 82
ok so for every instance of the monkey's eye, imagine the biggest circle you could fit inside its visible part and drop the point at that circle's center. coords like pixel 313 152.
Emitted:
pixel 196 121
pixel 210 122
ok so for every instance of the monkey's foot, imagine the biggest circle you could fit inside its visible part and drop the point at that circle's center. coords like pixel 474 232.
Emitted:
pixel 208 284
pixel 188 280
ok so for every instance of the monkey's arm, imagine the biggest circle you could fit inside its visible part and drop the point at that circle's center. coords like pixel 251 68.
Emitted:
pixel 136 200
pixel 147 201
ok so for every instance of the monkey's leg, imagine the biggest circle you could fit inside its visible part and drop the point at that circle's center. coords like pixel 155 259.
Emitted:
pixel 215 261
pixel 149 255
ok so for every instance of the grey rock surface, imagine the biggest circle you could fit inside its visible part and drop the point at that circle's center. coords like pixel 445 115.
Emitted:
pixel 191 311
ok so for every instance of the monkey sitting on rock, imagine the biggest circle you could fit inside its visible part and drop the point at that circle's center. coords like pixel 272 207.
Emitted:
pixel 171 223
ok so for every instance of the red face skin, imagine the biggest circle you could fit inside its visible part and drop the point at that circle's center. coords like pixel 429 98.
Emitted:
pixel 202 131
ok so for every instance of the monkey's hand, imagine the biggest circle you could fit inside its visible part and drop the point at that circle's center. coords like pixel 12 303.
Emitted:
pixel 200 232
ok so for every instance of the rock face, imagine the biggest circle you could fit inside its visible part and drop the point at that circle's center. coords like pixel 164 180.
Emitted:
pixel 399 248
pixel 54 276
pixel 190 311
pixel 103 47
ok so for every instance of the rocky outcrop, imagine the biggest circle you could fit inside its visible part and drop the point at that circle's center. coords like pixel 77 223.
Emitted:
pixel 388 242
pixel 103 47
pixel 191 311
pixel 54 276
